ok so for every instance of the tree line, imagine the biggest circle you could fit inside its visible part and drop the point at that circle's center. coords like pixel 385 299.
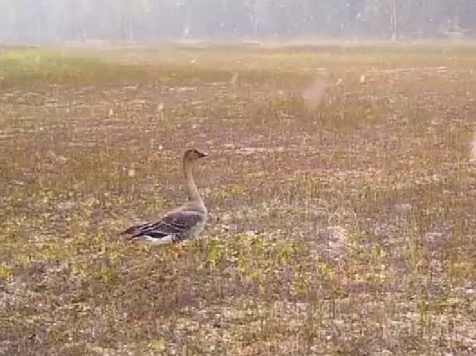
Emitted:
pixel 50 21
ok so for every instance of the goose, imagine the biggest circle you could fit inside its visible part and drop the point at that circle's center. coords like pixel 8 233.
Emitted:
pixel 182 223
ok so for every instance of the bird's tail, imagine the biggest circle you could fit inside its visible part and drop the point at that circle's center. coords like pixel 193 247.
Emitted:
pixel 133 232
pixel 130 231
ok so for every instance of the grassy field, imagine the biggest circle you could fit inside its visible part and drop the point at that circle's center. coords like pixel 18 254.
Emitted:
pixel 347 230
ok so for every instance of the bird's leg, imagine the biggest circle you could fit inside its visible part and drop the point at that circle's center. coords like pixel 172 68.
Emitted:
pixel 202 246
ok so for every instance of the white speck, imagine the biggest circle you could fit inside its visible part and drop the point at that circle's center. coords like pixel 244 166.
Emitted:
pixel 160 110
pixel 234 79
pixel 471 292
pixel 57 158
pixel 403 207
pixel 433 236
pixel 226 218
pixel 473 148
pixel 313 95
pixel 68 205
pixel 131 172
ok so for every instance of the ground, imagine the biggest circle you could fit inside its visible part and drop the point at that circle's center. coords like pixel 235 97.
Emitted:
pixel 341 224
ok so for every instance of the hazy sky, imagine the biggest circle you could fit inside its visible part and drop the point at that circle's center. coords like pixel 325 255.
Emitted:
pixel 37 21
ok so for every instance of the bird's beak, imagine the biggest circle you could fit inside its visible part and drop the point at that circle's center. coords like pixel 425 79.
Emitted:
pixel 203 154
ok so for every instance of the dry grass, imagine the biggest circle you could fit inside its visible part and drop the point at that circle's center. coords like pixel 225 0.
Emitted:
pixel 343 231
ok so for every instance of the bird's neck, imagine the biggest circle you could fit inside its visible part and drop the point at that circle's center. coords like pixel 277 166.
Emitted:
pixel 192 188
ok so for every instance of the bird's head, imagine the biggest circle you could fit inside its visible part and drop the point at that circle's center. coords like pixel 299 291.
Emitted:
pixel 193 155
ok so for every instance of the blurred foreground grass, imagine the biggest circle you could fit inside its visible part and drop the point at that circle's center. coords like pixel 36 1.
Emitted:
pixel 348 230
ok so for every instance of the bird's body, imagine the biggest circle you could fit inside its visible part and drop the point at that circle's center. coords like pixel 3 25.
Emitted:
pixel 180 224
pixel 174 227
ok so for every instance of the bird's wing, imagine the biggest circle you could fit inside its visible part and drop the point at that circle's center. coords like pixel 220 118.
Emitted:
pixel 175 226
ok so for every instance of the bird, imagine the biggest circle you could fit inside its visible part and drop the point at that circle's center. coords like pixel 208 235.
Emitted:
pixel 182 223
